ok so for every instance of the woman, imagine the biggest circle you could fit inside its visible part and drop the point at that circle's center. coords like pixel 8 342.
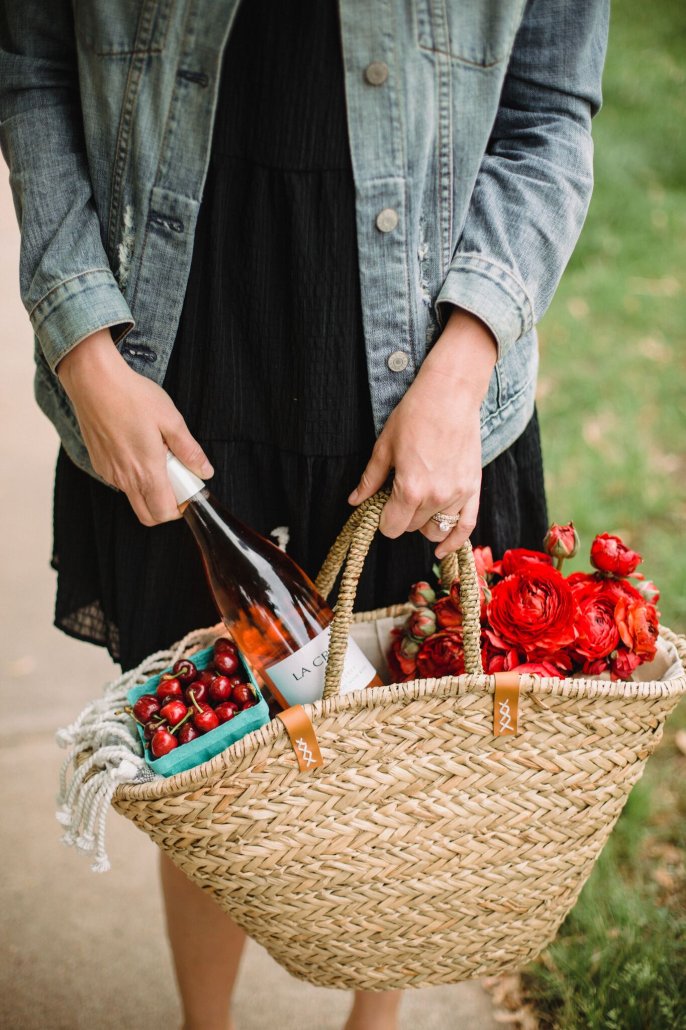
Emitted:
pixel 309 243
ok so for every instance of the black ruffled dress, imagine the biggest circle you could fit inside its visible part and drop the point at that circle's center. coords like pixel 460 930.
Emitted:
pixel 269 366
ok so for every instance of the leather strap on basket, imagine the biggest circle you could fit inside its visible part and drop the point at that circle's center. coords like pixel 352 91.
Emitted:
pixel 506 704
pixel 351 547
pixel 302 736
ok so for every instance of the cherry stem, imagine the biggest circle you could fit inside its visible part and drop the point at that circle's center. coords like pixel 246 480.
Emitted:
pixel 191 694
pixel 179 724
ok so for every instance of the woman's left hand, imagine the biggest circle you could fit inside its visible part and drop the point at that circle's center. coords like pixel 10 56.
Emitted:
pixel 432 439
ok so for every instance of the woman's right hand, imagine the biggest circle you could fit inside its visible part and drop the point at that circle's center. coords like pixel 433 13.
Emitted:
pixel 128 423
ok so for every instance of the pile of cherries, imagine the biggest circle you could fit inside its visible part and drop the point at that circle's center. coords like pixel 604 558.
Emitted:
pixel 188 703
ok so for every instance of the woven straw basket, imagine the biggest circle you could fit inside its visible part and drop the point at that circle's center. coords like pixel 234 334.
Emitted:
pixel 426 849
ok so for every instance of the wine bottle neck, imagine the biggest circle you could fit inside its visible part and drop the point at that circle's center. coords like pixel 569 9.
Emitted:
pixel 184 483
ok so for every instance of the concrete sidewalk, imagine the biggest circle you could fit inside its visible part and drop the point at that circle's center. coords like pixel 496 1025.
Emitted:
pixel 85 951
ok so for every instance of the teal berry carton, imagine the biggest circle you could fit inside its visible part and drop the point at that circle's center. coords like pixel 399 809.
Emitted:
pixel 187 756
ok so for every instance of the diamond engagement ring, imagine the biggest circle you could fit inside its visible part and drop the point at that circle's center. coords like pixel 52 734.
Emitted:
pixel 445 522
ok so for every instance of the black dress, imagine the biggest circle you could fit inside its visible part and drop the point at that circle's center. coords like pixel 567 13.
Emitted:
pixel 269 366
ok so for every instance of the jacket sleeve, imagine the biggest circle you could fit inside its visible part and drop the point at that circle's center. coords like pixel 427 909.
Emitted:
pixel 66 282
pixel 534 184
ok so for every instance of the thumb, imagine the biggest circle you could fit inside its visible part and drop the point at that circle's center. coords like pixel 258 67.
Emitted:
pixel 373 477
pixel 187 449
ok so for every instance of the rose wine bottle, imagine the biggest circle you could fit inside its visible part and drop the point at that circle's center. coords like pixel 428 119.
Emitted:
pixel 268 604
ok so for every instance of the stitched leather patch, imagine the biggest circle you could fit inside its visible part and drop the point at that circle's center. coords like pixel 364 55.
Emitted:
pixel 302 736
pixel 506 704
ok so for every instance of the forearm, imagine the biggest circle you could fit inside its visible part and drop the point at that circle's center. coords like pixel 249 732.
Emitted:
pixel 462 358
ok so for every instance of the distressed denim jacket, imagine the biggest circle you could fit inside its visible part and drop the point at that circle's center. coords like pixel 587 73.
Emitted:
pixel 469 126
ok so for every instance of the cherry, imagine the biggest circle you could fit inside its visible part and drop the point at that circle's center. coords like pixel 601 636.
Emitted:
pixel 220 689
pixel 187 733
pixel 162 743
pixel 235 680
pixel 198 690
pixel 205 720
pixel 173 711
pixel 145 707
pixel 168 687
pixel 224 644
pixel 206 677
pixel 185 671
pixel 226 663
pixel 249 704
pixel 242 693
pixel 226 711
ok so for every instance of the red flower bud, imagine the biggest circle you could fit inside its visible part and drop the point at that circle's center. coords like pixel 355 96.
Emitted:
pixel 610 554
pixel 422 594
pixel 422 623
pixel 402 656
pixel 561 541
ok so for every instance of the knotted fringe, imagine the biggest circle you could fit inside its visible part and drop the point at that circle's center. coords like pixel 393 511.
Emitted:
pixel 105 750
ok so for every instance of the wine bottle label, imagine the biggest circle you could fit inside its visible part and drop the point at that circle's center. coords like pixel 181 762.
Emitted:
pixel 300 677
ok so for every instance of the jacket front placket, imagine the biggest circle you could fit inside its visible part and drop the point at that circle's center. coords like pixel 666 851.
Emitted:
pixel 375 129
pixel 171 217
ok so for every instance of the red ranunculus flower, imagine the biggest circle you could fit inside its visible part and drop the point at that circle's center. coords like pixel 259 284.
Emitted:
pixel 596 629
pixel 614 588
pixel 441 655
pixel 448 614
pixel 483 559
pixel 534 611
pixel 519 558
pixel 638 626
pixel 496 655
pixel 646 588
pixel 540 669
pixel 484 596
pixel 402 656
pixel 610 554
pixel 561 541
pixel 623 664
pixel 594 667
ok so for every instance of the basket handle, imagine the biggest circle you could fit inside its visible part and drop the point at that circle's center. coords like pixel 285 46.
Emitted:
pixel 349 551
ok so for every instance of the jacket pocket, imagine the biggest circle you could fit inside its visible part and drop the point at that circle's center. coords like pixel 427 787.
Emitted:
pixel 478 32
pixel 127 27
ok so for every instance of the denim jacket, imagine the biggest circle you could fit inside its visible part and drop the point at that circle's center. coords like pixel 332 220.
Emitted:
pixel 469 126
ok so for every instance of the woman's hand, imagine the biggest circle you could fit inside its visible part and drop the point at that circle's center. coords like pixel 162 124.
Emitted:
pixel 128 422
pixel 432 438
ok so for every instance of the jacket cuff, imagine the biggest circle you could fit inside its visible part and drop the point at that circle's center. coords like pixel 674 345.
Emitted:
pixel 489 291
pixel 76 308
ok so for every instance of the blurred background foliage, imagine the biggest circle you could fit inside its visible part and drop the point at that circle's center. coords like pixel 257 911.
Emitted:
pixel 612 403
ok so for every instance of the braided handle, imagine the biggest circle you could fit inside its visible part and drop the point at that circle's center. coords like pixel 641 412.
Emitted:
pixel 351 547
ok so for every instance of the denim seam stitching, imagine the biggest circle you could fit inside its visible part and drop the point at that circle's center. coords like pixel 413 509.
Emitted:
pixel 472 260
pixel 69 279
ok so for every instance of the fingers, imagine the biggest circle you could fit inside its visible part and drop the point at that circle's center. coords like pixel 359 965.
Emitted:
pixel 374 476
pixel 186 447
pixel 147 486
pixel 462 530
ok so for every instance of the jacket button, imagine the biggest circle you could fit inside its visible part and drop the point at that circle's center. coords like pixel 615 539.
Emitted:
pixel 376 73
pixel 387 220
pixel 398 361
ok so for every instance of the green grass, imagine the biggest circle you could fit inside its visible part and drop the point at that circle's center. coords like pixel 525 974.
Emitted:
pixel 613 417
pixel 613 367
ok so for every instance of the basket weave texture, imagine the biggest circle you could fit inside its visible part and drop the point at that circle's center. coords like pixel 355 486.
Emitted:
pixel 425 850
